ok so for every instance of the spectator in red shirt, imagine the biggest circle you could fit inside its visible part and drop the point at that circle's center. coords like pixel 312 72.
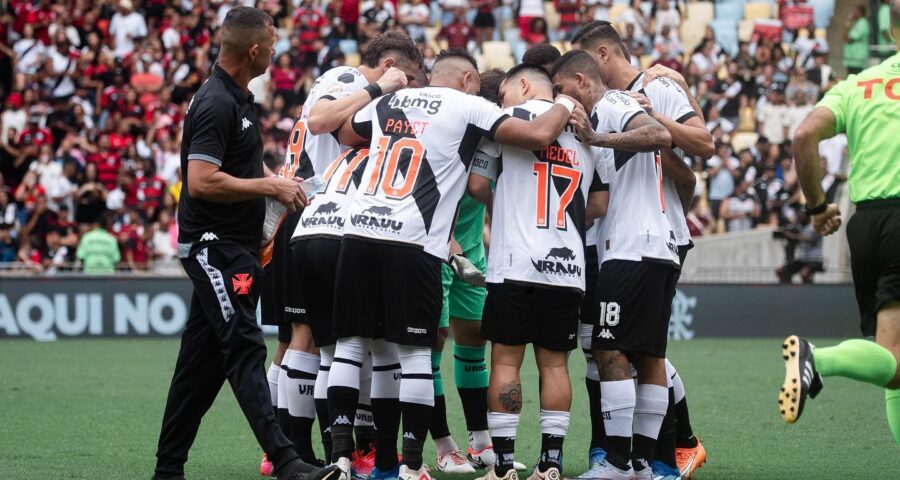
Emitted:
pixel 107 162
pixel 310 23
pixel 150 189
pixel 41 17
pixel 34 134
pixel 349 15
pixel 287 79
pixel 457 32
pixel 569 16
pixel 484 21
pixel 537 32
pixel 133 238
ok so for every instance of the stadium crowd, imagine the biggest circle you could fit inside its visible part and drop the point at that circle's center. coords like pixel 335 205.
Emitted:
pixel 93 93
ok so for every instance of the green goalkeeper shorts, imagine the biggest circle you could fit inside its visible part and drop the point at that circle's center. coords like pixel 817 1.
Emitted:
pixel 461 300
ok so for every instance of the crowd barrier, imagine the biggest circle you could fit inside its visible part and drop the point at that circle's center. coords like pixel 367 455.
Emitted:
pixel 48 309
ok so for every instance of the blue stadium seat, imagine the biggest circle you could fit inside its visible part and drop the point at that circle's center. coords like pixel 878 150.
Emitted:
pixel 348 47
pixel 823 11
pixel 726 34
pixel 730 10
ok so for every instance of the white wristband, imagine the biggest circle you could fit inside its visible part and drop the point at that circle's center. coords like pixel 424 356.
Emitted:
pixel 570 105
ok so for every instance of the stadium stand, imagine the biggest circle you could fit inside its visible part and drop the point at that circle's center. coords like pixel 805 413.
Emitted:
pixel 91 114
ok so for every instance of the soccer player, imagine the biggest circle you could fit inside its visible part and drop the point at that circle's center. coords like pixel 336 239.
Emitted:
pixel 637 257
pixel 220 223
pixel 389 274
pixel 461 311
pixel 535 274
pixel 389 63
pixel 542 54
pixel 864 106
pixel 673 107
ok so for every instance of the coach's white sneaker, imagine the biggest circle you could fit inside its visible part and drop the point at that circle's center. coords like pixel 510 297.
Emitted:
pixel 407 473
pixel 453 462
pixel 492 475
pixel 552 473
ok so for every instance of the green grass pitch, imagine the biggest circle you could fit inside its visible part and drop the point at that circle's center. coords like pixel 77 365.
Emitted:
pixel 91 409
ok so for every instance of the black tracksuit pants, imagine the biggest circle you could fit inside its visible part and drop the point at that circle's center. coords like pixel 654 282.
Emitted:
pixel 221 341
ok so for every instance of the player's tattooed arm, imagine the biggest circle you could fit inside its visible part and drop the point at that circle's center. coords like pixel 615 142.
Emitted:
pixel 511 397
pixel 642 134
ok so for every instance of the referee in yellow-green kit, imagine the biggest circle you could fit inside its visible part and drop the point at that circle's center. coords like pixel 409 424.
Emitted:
pixel 867 108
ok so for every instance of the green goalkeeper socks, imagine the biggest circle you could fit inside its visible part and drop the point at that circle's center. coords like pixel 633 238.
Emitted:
pixel 436 372
pixel 892 401
pixel 469 367
pixel 858 359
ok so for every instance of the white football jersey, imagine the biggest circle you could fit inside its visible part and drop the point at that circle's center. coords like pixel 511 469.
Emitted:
pixel 423 142
pixel 309 154
pixel 326 213
pixel 635 226
pixel 538 222
pixel 670 100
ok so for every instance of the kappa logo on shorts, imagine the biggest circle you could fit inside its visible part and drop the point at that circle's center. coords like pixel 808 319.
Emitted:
pixel 208 237
pixel 241 282
pixel 417 331
pixel 606 334
pixel 295 310
pixel 342 420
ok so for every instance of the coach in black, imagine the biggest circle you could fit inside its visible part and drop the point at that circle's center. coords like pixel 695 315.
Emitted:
pixel 220 219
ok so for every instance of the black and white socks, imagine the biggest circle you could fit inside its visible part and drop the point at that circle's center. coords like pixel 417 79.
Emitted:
pixel 416 401
pixel 554 426
pixel 503 435
pixel 343 393
pixel 302 369
pixel 326 357
pixel 617 400
pixel 385 400
pixel 650 408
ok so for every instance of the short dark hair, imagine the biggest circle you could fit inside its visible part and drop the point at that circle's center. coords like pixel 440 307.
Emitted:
pixel 528 68
pixel 541 54
pixel 490 84
pixel 243 26
pixel 456 53
pixel 595 32
pixel 393 42
pixel 576 61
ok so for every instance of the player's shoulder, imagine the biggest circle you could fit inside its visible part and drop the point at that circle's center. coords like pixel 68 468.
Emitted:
pixel 663 85
pixel 338 75
pixel 529 109
pixel 617 97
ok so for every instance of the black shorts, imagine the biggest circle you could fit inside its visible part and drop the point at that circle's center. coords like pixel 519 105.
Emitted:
pixel 279 284
pixel 590 305
pixel 314 263
pixel 387 290
pixel 636 300
pixel 874 237
pixel 519 314
pixel 484 20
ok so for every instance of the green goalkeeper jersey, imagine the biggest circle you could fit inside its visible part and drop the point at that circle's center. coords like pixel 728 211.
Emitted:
pixel 867 108
pixel 469 223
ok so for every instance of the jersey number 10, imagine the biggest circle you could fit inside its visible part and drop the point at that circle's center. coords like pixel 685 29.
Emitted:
pixel 544 173
pixel 387 166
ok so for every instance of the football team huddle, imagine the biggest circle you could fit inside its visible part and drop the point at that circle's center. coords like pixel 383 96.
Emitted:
pixel 544 205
